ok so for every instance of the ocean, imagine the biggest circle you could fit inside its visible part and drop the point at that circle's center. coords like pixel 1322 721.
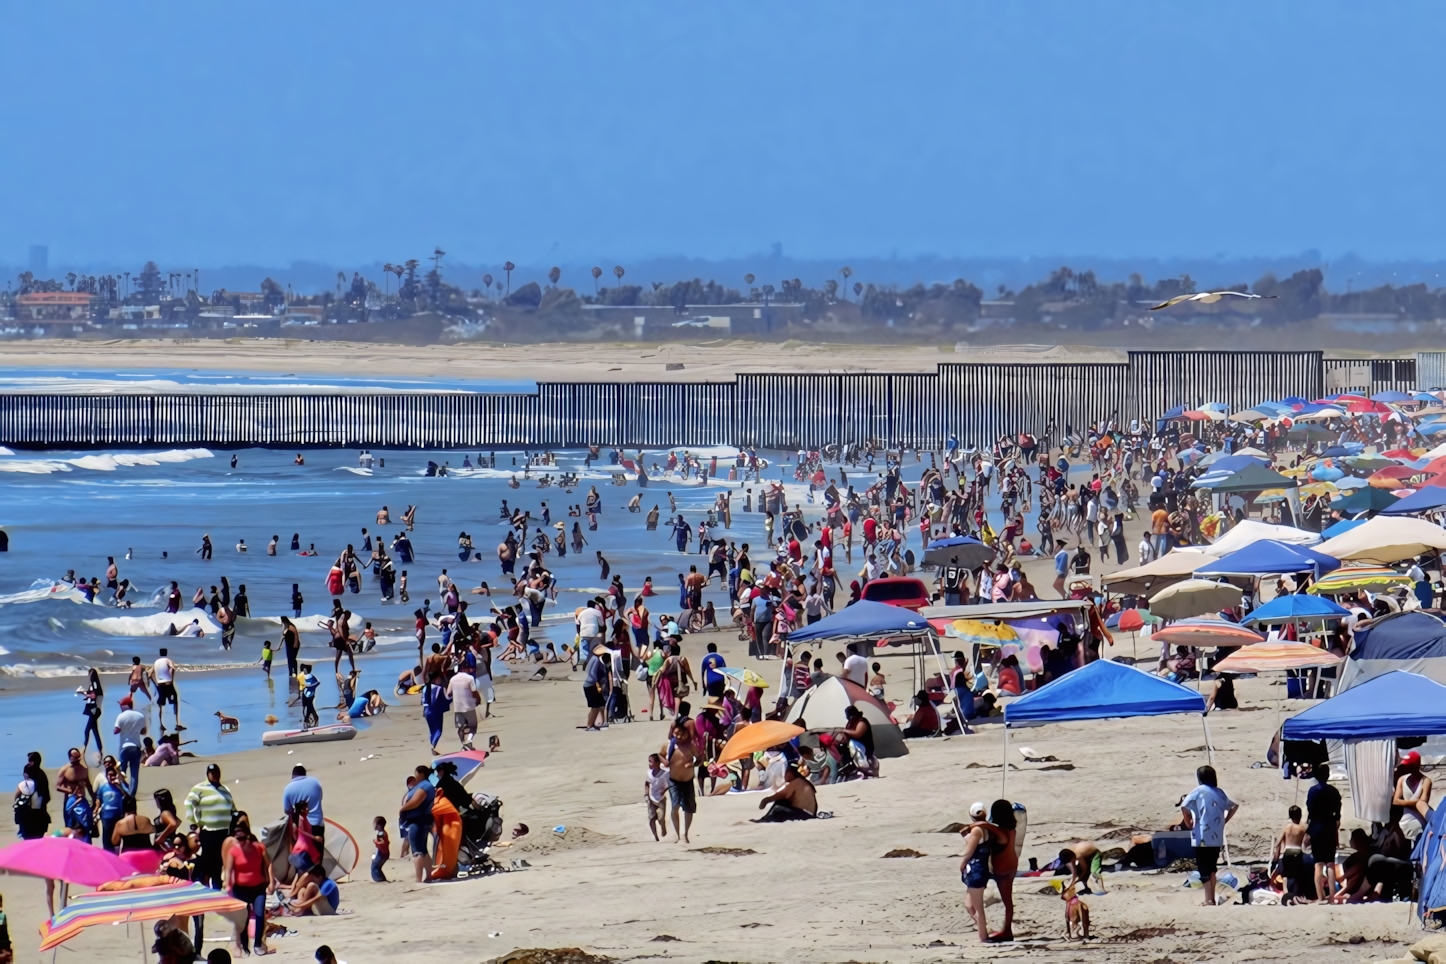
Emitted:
pixel 149 510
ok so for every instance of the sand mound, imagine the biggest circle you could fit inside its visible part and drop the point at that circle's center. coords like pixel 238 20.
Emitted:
pixel 551 955
pixel 571 839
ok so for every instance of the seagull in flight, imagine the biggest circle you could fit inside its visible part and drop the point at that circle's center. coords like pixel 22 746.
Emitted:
pixel 1208 298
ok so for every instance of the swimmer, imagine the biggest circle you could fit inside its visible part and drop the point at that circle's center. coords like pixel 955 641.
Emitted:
pixel 298 460
pixel 271 546
pixel 384 517
pixel 241 545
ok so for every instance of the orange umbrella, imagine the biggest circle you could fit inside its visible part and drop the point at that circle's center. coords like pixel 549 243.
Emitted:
pixel 757 736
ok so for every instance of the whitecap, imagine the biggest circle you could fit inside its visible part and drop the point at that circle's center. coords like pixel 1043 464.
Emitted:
pixel 353 470
pixel 157 624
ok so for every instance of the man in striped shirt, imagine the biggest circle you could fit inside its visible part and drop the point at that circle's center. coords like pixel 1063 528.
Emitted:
pixel 209 807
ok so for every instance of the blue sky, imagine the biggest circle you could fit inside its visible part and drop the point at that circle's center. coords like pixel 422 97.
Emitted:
pixel 552 132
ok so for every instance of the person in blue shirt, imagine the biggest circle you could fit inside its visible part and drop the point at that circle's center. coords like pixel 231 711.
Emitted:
pixel 1061 567
pixel 307 788
pixel 1205 812
pixel 713 680
pixel 309 686
pixel 112 794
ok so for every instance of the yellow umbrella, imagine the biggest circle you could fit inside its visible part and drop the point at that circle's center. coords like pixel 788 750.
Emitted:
pixel 745 676
pixel 1320 488
pixel 982 633
pixel 757 736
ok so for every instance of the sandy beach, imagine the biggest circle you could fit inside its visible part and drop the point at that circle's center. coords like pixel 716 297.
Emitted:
pixel 818 891
pixel 621 362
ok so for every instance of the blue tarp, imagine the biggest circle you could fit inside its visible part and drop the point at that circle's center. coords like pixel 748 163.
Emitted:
pixel 1414 634
pixel 1424 499
pixel 1100 691
pixel 1268 558
pixel 1387 707
pixel 863 619
pixel 1296 606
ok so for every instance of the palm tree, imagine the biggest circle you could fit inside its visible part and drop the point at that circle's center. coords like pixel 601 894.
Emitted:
pixel 554 273
pixel 847 273
pixel 509 267
pixel 767 293
pixel 387 281
pixel 858 288
pixel 596 274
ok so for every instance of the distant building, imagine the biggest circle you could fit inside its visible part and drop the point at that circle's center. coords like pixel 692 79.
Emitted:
pixel 39 258
pixel 53 306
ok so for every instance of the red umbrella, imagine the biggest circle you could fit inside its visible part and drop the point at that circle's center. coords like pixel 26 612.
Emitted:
pixel 1131 620
pixel 1435 466
pixel 1398 454
pixel 1368 407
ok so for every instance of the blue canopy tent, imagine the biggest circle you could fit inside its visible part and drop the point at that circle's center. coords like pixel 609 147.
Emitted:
pixel 1342 527
pixel 1388 707
pixel 1270 558
pixel 1424 499
pixel 1297 606
pixel 1430 853
pixel 863 620
pixel 1102 690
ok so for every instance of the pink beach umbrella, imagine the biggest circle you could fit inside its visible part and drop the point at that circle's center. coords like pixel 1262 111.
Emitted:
pixel 64 858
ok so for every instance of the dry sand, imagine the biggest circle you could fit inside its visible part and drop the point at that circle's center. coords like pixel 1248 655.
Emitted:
pixel 711 361
pixel 821 891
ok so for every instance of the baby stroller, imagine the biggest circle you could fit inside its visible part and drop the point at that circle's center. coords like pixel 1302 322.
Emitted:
pixel 481 827
pixel 619 708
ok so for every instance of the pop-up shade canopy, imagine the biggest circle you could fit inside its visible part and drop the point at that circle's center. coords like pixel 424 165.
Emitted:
pixel 1103 690
pixel 1388 707
pixel 1268 558
pixel 863 620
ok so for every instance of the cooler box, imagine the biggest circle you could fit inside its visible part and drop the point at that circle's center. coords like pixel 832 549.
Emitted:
pixel 1171 845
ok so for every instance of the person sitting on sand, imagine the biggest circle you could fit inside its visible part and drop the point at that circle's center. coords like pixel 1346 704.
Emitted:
pixel 925 721
pixel 795 800
pixel 168 752
pixel 318 895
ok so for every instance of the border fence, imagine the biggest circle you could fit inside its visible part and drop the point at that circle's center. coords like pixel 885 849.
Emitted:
pixel 977 401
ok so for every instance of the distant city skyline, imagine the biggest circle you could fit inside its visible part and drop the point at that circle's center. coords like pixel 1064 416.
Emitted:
pixel 340 133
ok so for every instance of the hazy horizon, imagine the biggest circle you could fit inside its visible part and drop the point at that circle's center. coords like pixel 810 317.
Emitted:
pixel 345 133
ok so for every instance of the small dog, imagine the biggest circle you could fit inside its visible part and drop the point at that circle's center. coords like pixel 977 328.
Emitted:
pixel 1076 912
pixel 229 724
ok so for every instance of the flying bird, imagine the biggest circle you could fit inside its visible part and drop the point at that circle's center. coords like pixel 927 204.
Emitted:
pixel 1208 298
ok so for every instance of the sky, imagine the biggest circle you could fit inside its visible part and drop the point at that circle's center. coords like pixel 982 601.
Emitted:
pixel 360 132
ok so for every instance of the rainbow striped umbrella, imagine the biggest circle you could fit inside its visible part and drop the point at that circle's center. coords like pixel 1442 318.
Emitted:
pixel 1351 578
pixel 1267 657
pixel 142 904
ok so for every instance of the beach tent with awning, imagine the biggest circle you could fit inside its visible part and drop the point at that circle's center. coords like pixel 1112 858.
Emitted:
pixel 1102 690
pixel 822 707
pixel 1250 531
pixel 1386 539
pixel 1269 558
pixel 1388 707
pixel 1174 566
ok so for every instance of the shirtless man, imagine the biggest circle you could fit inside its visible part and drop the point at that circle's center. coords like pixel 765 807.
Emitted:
pixel 795 800
pixel 681 754
pixel 137 679
pixel 694 584
pixel 73 780
pixel 384 517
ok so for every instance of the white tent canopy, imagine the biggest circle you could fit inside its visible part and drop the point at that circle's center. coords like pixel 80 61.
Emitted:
pixel 1250 531
pixel 1386 539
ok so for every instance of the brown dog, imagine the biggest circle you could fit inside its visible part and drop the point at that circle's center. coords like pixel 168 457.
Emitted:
pixel 229 724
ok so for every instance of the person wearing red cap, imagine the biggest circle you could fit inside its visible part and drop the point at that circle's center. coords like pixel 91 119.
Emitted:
pixel 130 726
pixel 1413 796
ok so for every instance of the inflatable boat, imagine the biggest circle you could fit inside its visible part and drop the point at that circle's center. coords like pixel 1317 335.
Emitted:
pixel 317 734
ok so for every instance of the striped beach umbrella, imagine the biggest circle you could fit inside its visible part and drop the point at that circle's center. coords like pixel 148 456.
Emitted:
pixel 1276 657
pixel 1352 578
pixel 142 904
pixel 1204 632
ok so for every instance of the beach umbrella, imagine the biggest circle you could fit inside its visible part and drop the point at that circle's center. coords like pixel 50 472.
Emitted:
pixel 1311 433
pixel 1342 527
pixel 1352 578
pixel 744 676
pixel 1387 539
pixel 1368 499
pixel 1320 488
pixel 757 736
pixel 977 632
pixel 139 905
pixel 1369 408
pixel 1391 396
pixel 1193 597
pixel 1296 606
pixel 1369 463
pixel 1132 620
pixel 969 552
pixel 1204 632
pixel 1205 415
pixel 1350 483
pixel 468 762
pixel 1253 452
pixel 1324 413
pixel 1275 657
pixel 64 858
